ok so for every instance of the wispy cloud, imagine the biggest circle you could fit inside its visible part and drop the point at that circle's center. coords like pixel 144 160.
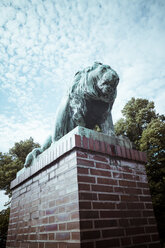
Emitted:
pixel 44 43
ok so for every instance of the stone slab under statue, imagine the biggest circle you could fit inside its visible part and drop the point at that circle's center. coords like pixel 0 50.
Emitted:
pixel 88 104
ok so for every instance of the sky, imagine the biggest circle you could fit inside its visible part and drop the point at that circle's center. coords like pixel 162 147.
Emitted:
pixel 43 43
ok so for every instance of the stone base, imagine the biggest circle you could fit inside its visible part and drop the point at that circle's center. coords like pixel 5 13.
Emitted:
pixel 84 191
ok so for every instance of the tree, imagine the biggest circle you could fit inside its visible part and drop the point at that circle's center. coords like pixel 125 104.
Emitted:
pixel 138 114
pixel 153 142
pixel 13 161
pixel 10 164
pixel 146 129
pixel 4 221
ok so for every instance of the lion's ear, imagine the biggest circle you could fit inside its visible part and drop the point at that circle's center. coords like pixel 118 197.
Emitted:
pixel 77 73
pixel 97 63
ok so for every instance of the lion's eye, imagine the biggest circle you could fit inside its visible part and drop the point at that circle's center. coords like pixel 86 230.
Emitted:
pixel 103 69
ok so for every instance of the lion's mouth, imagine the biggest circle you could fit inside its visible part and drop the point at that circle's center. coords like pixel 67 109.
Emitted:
pixel 107 89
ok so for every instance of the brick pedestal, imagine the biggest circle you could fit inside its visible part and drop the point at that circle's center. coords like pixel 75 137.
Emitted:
pixel 86 191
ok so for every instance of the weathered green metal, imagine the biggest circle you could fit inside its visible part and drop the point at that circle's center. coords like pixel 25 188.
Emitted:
pixel 87 104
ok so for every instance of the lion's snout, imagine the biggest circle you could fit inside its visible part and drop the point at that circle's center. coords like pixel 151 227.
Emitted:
pixel 109 80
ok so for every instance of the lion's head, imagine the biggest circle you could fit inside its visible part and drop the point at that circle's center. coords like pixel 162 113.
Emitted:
pixel 93 93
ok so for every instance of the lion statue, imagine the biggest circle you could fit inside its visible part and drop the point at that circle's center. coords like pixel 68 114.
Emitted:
pixel 88 104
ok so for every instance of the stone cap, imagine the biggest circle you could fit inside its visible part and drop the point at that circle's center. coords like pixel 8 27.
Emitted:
pixel 84 139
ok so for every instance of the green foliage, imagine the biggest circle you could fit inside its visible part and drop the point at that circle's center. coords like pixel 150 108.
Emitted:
pixel 10 164
pixel 13 161
pixel 138 114
pixel 4 221
pixel 153 142
pixel 147 130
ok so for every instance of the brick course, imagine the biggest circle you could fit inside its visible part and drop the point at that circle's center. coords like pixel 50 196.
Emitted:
pixel 84 193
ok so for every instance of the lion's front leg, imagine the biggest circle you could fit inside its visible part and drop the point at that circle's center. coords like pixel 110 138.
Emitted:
pixel 107 126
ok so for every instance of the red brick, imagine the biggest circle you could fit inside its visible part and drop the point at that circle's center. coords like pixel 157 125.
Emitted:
pixel 84 186
pixel 86 179
pixel 102 188
pixel 151 229
pixel 132 198
pixel 155 237
pixel 105 223
pixel 51 219
pixel 75 235
pixel 89 214
pixel 90 235
pixel 72 225
pixel 103 146
pixel 123 151
pixel 106 181
pixel 32 245
pixel 71 206
pixel 87 196
pixel 135 205
pixel 85 142
pixel 113 150
pixel 112 233
pixel 51 245
pixel 141 239
pixel 132 152
pixel 138 222
pixel 103 205
pixel 43 236
pixel 108 243
pixel 52 227
pixel 119 189
pixel 133 231
pixel 121 205
pixel 130 176
pixel 97 145
pixel 151 220
pixel 81 154
pixel 51 236
pixel 102 173
pixel 144 157
pixel 118 149
pixel 91 144
pixel 100 158
pixel 117 175
pixel 128 153
pixel 127 183
pixel 62 226
pixel 74 215
pixel 124 222
pixel 62 201
pixel 137 155
pixel 85 205
pixel 108 197
pixel 125 241
pixel 78 140
pixel 142 185
pixel 88 163
pixel 145 198
pixel 87 245
pixel 111 214
pixel 133 191
pixel 146 191
pixel 102 166
pixel 157 245
pixel 62 235
pixel 82 170
pixel 86 224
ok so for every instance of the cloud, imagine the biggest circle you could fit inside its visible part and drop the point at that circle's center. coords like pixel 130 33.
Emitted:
pixel 44 43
